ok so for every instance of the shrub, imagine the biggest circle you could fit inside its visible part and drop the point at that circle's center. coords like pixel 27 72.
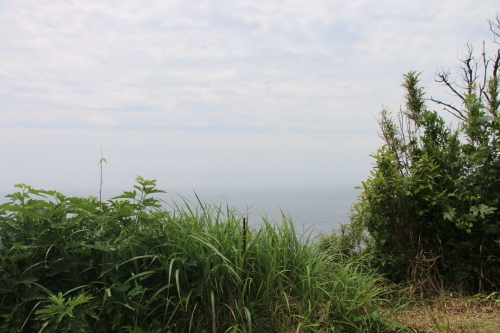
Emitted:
pixel 81 265
pixel 431 200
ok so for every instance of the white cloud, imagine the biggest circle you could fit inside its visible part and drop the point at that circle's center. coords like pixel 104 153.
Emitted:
pixel 199 85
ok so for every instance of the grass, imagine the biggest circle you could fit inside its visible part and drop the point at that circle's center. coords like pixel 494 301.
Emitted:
pixel 452 314
pixel 127 265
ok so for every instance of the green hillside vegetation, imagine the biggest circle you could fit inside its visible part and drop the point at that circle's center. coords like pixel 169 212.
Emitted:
pixel 431 202
pixel 80 265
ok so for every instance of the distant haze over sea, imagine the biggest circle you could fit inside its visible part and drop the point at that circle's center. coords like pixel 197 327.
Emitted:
pixel 318 208
pixel 315 208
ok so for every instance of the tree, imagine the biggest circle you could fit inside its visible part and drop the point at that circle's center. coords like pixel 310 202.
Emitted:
pixel 431 201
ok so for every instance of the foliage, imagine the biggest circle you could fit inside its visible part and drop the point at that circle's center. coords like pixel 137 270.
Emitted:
pixel 81 265
pixel 431 201
pixel 350 241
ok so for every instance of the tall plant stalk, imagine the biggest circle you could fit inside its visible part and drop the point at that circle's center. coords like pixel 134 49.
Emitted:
pixel 101 162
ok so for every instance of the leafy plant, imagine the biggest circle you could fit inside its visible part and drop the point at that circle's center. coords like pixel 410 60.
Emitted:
pixel 63 314
pixel 431 201
pixel 127 265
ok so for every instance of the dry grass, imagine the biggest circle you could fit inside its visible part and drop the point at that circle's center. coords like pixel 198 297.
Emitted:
pixel 447 314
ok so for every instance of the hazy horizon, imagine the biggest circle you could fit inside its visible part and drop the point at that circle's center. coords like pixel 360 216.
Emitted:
pixel 214 93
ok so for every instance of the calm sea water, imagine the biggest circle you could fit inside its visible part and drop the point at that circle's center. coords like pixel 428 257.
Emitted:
pixel 319 209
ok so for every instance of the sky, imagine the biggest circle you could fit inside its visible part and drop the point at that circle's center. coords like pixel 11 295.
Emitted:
pixel 213 93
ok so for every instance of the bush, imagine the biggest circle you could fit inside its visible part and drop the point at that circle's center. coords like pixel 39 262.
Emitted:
pixel 349 242
pixel 80 265
pixel 431 201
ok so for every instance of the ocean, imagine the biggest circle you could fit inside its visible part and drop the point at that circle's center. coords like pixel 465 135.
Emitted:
pixel 316 209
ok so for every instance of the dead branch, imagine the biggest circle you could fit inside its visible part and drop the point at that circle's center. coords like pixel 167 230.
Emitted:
pixel 495 28
pixel 469 69
pixel 485 75
pixel 456 112
pixel 496 64
pixel 443 77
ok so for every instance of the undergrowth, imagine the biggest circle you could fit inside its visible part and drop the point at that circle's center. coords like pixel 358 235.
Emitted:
pixel 71 264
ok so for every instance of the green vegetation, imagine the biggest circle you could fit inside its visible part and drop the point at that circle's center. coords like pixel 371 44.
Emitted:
pixel 428 218
pixel 431 202
pixel 81 265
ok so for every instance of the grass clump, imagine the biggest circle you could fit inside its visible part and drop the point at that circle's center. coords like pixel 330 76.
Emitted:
pixel 81 265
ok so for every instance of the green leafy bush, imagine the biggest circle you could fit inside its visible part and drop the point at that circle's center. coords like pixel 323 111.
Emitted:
pixel 431 201
pixel 81 265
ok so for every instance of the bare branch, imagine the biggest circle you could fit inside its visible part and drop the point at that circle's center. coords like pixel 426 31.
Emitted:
pixel 485 75
pixel 404 160
pixel 495 28
pixel 496 64
pixel 469 69
pixel 456 112
pixel 443 77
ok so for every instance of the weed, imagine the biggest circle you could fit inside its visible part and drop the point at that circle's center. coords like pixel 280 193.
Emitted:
pixel 126 265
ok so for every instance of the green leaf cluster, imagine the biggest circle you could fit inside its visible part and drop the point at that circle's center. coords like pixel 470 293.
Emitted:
pixel 126 265
pixel 431 201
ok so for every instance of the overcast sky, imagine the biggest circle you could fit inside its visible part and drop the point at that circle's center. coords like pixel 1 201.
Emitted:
pixel 213 93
